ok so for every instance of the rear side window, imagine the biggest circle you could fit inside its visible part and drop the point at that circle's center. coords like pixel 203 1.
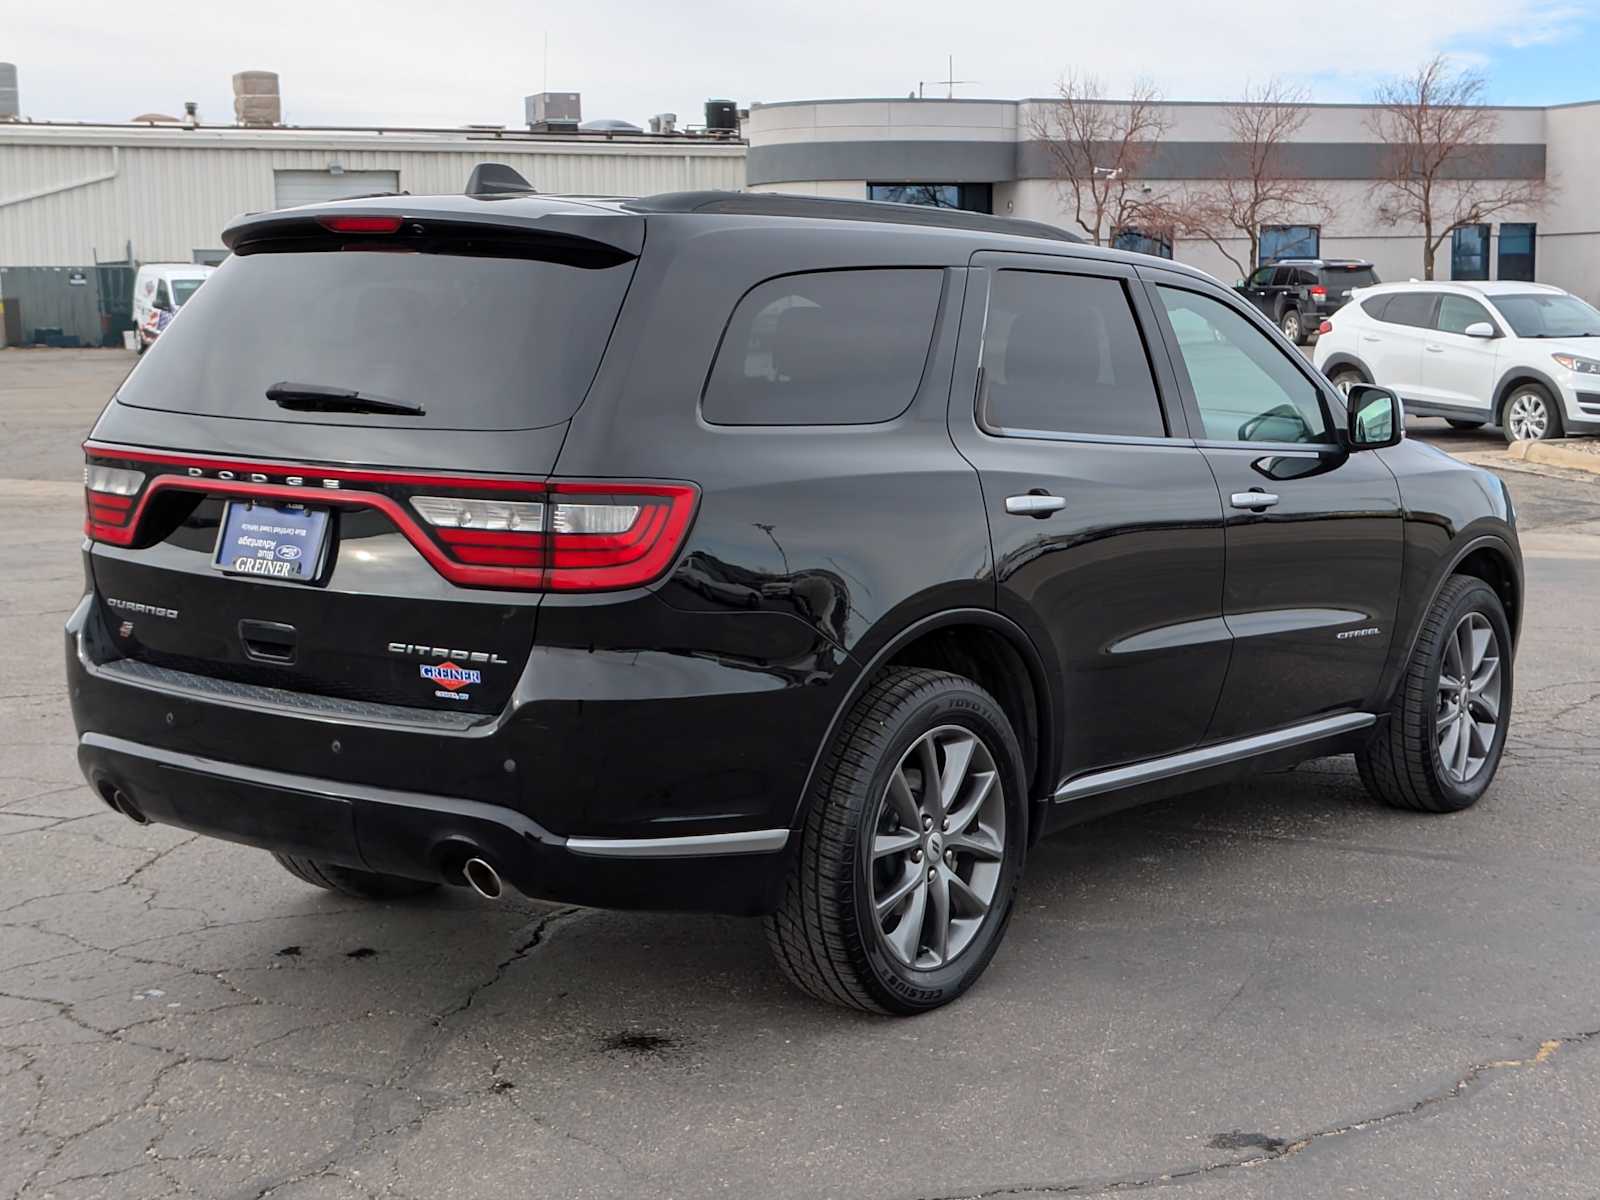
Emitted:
pixel 1410 308
pixel 827 348
pixel 479 343
pixel 1376 306
pixel 1062 354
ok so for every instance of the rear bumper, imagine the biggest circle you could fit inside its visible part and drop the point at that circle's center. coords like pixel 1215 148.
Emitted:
pixel 431 837
pixel 172 755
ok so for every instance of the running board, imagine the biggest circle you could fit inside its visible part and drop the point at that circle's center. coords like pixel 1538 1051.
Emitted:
pixel 1210 756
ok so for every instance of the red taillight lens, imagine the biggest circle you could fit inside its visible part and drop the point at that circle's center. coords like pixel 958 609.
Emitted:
pixel 1319 291
pixel 488 532
pixel 1325 327
pixel 108 495
pixel 586 537
pixel 361 224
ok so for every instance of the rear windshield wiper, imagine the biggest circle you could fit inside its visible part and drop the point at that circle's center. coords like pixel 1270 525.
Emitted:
pixel 316 397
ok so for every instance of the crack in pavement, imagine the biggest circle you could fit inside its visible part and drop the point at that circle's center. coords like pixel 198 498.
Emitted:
pixel 1280 1149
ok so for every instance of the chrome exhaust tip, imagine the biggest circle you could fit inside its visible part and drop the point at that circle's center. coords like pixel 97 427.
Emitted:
pixel 482 878
pixel 120 801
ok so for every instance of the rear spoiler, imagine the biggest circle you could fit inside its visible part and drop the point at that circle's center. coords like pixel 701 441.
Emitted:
pixel 421 222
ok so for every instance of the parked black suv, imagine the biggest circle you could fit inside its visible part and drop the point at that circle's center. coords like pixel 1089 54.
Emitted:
pixel 763 555
pixel 1298 294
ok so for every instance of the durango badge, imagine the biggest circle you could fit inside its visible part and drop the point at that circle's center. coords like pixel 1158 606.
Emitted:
pixel 451 678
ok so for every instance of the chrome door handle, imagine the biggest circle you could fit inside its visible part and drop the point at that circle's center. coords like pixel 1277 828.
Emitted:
pixel 1034 505
pixel 1253 500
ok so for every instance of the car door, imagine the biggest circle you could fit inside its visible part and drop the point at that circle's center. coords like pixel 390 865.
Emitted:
pixel 1392 344
pixel 1313 532
pixel 1104 518
pixel 1457 370
pixel 1258 289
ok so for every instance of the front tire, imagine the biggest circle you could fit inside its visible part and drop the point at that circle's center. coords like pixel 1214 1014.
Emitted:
pixel 347 881
pixel 908 864
pixel 1441 744
pixel 1530 414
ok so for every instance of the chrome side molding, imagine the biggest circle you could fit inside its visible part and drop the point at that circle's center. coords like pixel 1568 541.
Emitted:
pixel 750 841
pixel 1237 750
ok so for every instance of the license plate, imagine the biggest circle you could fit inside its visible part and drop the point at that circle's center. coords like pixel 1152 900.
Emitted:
pixel 277 541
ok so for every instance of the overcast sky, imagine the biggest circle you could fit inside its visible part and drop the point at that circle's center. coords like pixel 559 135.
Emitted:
pixel 401 62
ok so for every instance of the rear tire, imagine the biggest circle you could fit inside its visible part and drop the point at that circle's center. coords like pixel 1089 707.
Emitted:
pixel 1292 327
pixel 1344 379
pixel 1455 424
pixel 1426 756
pixel 347 881
pixel 874 833
pixel 1530 413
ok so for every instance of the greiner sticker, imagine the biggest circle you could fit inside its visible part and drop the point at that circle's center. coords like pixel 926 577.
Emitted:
pixel 451 677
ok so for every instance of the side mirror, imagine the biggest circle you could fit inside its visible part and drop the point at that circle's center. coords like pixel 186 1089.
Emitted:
pixel 1377 418
pixel 1479 329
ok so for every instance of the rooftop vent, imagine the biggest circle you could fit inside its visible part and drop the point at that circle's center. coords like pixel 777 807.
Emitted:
pixel 10 102
pixel 255 98
pixel 664 123
pixel 551 111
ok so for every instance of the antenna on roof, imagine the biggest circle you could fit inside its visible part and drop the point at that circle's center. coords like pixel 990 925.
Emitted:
pixel 497 179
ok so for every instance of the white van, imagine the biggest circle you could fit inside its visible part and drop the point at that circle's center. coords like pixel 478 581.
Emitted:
pixel 159 291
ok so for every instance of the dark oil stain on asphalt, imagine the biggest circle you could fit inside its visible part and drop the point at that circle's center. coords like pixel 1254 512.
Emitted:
pixel 1245 1141
pixel 633 1042
pixel 288 952
pixel 361 952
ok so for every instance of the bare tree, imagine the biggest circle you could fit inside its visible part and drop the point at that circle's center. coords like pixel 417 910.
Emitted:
pixel 1098 150
pixel 1439 139
pixel 1256 184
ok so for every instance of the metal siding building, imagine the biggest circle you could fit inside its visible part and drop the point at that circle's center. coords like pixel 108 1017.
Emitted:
pixel 73 194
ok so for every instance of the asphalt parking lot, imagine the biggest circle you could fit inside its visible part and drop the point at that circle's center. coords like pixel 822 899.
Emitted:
pixel 1275 989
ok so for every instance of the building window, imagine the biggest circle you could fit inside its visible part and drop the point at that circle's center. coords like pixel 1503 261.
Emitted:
pixel 1289 241
pixel 968 197
pixel 1516 251
pixel 1469 252
pixel 1142 241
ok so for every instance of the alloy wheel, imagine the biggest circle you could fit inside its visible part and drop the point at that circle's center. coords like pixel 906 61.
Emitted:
pixel 1528 416
pixel 937 848
pixel 1291 326
pixel 1468 714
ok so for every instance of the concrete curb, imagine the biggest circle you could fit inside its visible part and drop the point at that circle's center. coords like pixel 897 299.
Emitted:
pixel 1554 454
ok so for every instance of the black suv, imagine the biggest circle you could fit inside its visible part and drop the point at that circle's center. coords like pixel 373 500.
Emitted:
pixel 764 555
pixel 1298 294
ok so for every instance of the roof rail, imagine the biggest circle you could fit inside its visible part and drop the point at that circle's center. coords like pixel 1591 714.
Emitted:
pixel 497 179
pixel 777 204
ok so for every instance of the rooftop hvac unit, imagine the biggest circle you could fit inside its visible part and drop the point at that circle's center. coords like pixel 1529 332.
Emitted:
pixel 722 116
pixel 255 98
pixel 10 102
pixel 553 110
pixel 664 123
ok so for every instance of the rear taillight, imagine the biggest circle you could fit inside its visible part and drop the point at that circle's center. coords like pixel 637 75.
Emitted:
pixel 1325 327
pixel 582 537
pixel 108 495
pixel 1319 292
pixel 512 533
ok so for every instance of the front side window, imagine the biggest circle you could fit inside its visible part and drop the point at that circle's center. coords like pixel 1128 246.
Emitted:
pixel 1244 386
pixel 1062 355
pixel 826 348
pixel 1290 241
pixel 1262 277
pixel 1457 312
pixel 1548 315
pixel 1469 252
pixel 1516 251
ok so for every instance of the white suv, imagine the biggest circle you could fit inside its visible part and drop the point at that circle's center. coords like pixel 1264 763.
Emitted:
pixel 1525 356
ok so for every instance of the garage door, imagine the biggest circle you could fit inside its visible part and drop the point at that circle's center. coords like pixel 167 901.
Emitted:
pixel 316 187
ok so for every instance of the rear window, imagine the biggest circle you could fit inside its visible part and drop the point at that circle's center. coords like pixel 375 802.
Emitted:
pixel 1348 277
pixel 479 343
pixel 826 348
